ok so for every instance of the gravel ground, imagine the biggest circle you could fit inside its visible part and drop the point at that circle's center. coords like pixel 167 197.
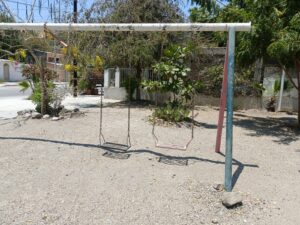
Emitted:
pixel 53 172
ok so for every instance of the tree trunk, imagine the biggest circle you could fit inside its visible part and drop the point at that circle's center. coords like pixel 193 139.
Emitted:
pixel 262 74
pixel 138 81
pixel 43 84
pixel 298 88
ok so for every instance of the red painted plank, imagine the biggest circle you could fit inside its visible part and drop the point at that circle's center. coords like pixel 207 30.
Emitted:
pixel 222 103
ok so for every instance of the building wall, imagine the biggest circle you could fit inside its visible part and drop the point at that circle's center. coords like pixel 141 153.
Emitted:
pixel 54 63
pixel 290 96
pixel 15 70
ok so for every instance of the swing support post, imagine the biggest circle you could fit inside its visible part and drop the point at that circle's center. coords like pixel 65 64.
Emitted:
pixel 229 121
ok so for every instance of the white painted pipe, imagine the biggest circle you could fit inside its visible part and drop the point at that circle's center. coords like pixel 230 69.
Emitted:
pixel 281 91
pixel 142 27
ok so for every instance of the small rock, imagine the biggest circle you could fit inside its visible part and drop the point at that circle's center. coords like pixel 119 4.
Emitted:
pixel 76 110
pixel 231 199
pixel 22 112
pixel 64 111
pixel 46 116
pixel 60 117
pixel 215 221
pixel 36 115
pixel 55 118
pixel 219 187
pixel 26 115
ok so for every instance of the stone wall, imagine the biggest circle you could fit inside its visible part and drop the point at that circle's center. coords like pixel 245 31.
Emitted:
pixel 290 97
pixel 13 68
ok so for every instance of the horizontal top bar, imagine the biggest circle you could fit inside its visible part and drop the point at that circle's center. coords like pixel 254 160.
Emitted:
pixel 141 27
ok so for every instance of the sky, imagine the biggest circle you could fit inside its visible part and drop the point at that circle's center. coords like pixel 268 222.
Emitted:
pixel 21 9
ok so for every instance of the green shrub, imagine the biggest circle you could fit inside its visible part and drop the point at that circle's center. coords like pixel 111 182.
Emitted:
pixel 172 112
pixel 130 85
pixel 83 84
pixel 215 78
pixel 36 97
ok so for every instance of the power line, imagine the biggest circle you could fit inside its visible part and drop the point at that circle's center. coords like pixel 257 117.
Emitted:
pixel 27 4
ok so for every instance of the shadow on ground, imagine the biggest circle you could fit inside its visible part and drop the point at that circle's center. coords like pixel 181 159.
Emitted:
pixel 283 129
pixel 236 174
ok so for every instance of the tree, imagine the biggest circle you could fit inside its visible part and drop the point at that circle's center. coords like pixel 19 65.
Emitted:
pixel 9 40
pixel 274 35
pixel 131 49
pixel 30 47
pixel 173 78
pixel 36 47
pixel 286 50
pixel 33 75
pixel 265 18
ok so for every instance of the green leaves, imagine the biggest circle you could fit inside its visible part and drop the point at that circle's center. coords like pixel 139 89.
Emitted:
pixel 286 46
pixel 24 85
pixel 172 112
pixel 173 75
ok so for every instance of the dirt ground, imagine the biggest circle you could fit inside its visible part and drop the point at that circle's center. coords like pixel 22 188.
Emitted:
pixel 53 172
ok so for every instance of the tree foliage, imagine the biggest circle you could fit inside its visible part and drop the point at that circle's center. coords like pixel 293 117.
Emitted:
pixel 173 78
pixel 133 49
pixel 274 35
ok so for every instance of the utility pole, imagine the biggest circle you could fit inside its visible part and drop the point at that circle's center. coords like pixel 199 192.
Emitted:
pixel 75 81
pixel 59 11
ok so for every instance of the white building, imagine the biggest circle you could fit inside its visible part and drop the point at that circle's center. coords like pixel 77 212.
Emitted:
pixel 10 70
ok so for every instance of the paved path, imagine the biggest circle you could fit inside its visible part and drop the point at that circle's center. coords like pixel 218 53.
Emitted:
pixel 13 100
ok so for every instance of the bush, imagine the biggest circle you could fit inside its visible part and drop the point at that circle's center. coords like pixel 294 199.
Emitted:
pixel 172 112
pixel 36 97
pixel 130 85
pixel 83 84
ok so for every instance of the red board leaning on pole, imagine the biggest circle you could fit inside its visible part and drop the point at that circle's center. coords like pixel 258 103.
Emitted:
pixel 222 103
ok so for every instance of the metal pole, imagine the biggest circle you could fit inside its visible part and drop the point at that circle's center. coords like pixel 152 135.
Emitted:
pixel 281 90
pixel 74 60
pixel 229 122
pixel 131 27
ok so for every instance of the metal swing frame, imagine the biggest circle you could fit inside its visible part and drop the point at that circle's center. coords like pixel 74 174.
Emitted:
pixel 176 147
pixel 102 141
pixel 231 28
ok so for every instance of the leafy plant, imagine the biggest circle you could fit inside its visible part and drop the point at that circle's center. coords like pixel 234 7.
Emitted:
pixel 24 85
pixel 172 112
pixel 32 73
pixel 130 85
pixel 174 79
pixel 83 84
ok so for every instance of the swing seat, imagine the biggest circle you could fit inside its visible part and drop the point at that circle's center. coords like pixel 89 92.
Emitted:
pixel 115 146
pixel 178 147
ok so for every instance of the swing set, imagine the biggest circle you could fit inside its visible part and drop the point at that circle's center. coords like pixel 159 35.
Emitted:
pixel 226 100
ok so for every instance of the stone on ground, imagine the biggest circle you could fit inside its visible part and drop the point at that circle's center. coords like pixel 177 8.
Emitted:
pixel 231 199
pixel 46 116
pixel 55 118
pixel 219 187
pixel 25 111
pixel 26 115
pixel 36 115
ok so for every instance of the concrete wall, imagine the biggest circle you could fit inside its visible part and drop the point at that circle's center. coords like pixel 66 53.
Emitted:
pixel 115 93
pixel 239 102
pixel 15 70
pixel 290 97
